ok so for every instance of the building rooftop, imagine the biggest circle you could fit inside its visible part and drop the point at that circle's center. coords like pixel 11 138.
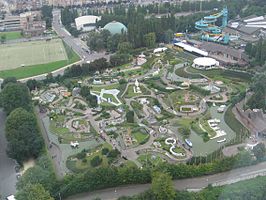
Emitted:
pixel 212 47
pixel 205 61
pixel 115 27
pixel 248 30
pixel 88 19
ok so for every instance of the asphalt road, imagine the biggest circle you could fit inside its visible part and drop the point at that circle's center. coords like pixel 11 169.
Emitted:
pixel 191 184
pixel 75 43
pixel 7 172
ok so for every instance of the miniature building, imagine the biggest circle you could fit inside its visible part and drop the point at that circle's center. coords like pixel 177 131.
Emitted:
pixel 157 109
pixel 75 91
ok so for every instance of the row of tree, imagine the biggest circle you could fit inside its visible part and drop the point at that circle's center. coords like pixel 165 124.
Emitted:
pixel 68 19
pixel 38 181
pixel 23 136
pixel 258 99
pixel 257 52
pixel 47 15
pixel 163 8
pixel 22 132
pixel 97 65
pixel 113 176
pixel 104 40
pixel 140 27
pixel 91 99
pixel 244 190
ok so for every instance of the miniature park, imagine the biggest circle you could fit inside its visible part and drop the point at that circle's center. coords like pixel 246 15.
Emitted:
pixel 115 93
pixel 170 104
pixel 159 115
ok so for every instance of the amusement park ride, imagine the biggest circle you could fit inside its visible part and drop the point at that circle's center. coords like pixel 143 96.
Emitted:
pixel 212 32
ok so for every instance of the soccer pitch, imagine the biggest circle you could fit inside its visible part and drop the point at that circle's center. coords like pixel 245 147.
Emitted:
pixel 16 55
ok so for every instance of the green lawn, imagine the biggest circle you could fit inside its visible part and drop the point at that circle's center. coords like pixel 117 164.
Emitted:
pixel 80 166
pixel 205 125
pixel 56 129
pixel 157 84
pixel 177 99
pixel 130 91
pixel 33 70
pixel 184 122
pixel 138 108
pixel 147 160
pixel 223 75
pixel 179 150
pixel 106 87
pixel 182 73
pixel 111 97
pixel 140 137
pixel 11 35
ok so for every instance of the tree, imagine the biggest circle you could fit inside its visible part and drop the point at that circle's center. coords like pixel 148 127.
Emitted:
pixel 162 186
pixel 185 131
pixel 96 42
pixel 33 192
pixel 47 15
pixel 168 36
pixel 96 161
pixel 259 88
pixel 73 71
pixel 259 151
pixel 8 80
pixel 119 59
pixel 22 133
pixel 105 34
pixel 91 99
pixel 105 151
pixel 81 155
pixel 32 84
pixel 113 153
pixel 42 173
pixel 112 42
pixel 130 116
pixel 15 95
pixel 248 48
pixel 149 40
pixel 3 38
pixel 124 47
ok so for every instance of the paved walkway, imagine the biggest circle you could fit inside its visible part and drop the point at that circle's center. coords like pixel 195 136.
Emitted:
pixel 7 172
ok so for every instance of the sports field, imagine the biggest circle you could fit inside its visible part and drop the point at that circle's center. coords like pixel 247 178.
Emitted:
pixel 31 53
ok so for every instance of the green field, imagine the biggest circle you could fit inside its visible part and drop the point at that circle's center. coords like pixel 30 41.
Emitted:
pixel 141 137
pixel 31 53
pixel 42 57
pixel 11 35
